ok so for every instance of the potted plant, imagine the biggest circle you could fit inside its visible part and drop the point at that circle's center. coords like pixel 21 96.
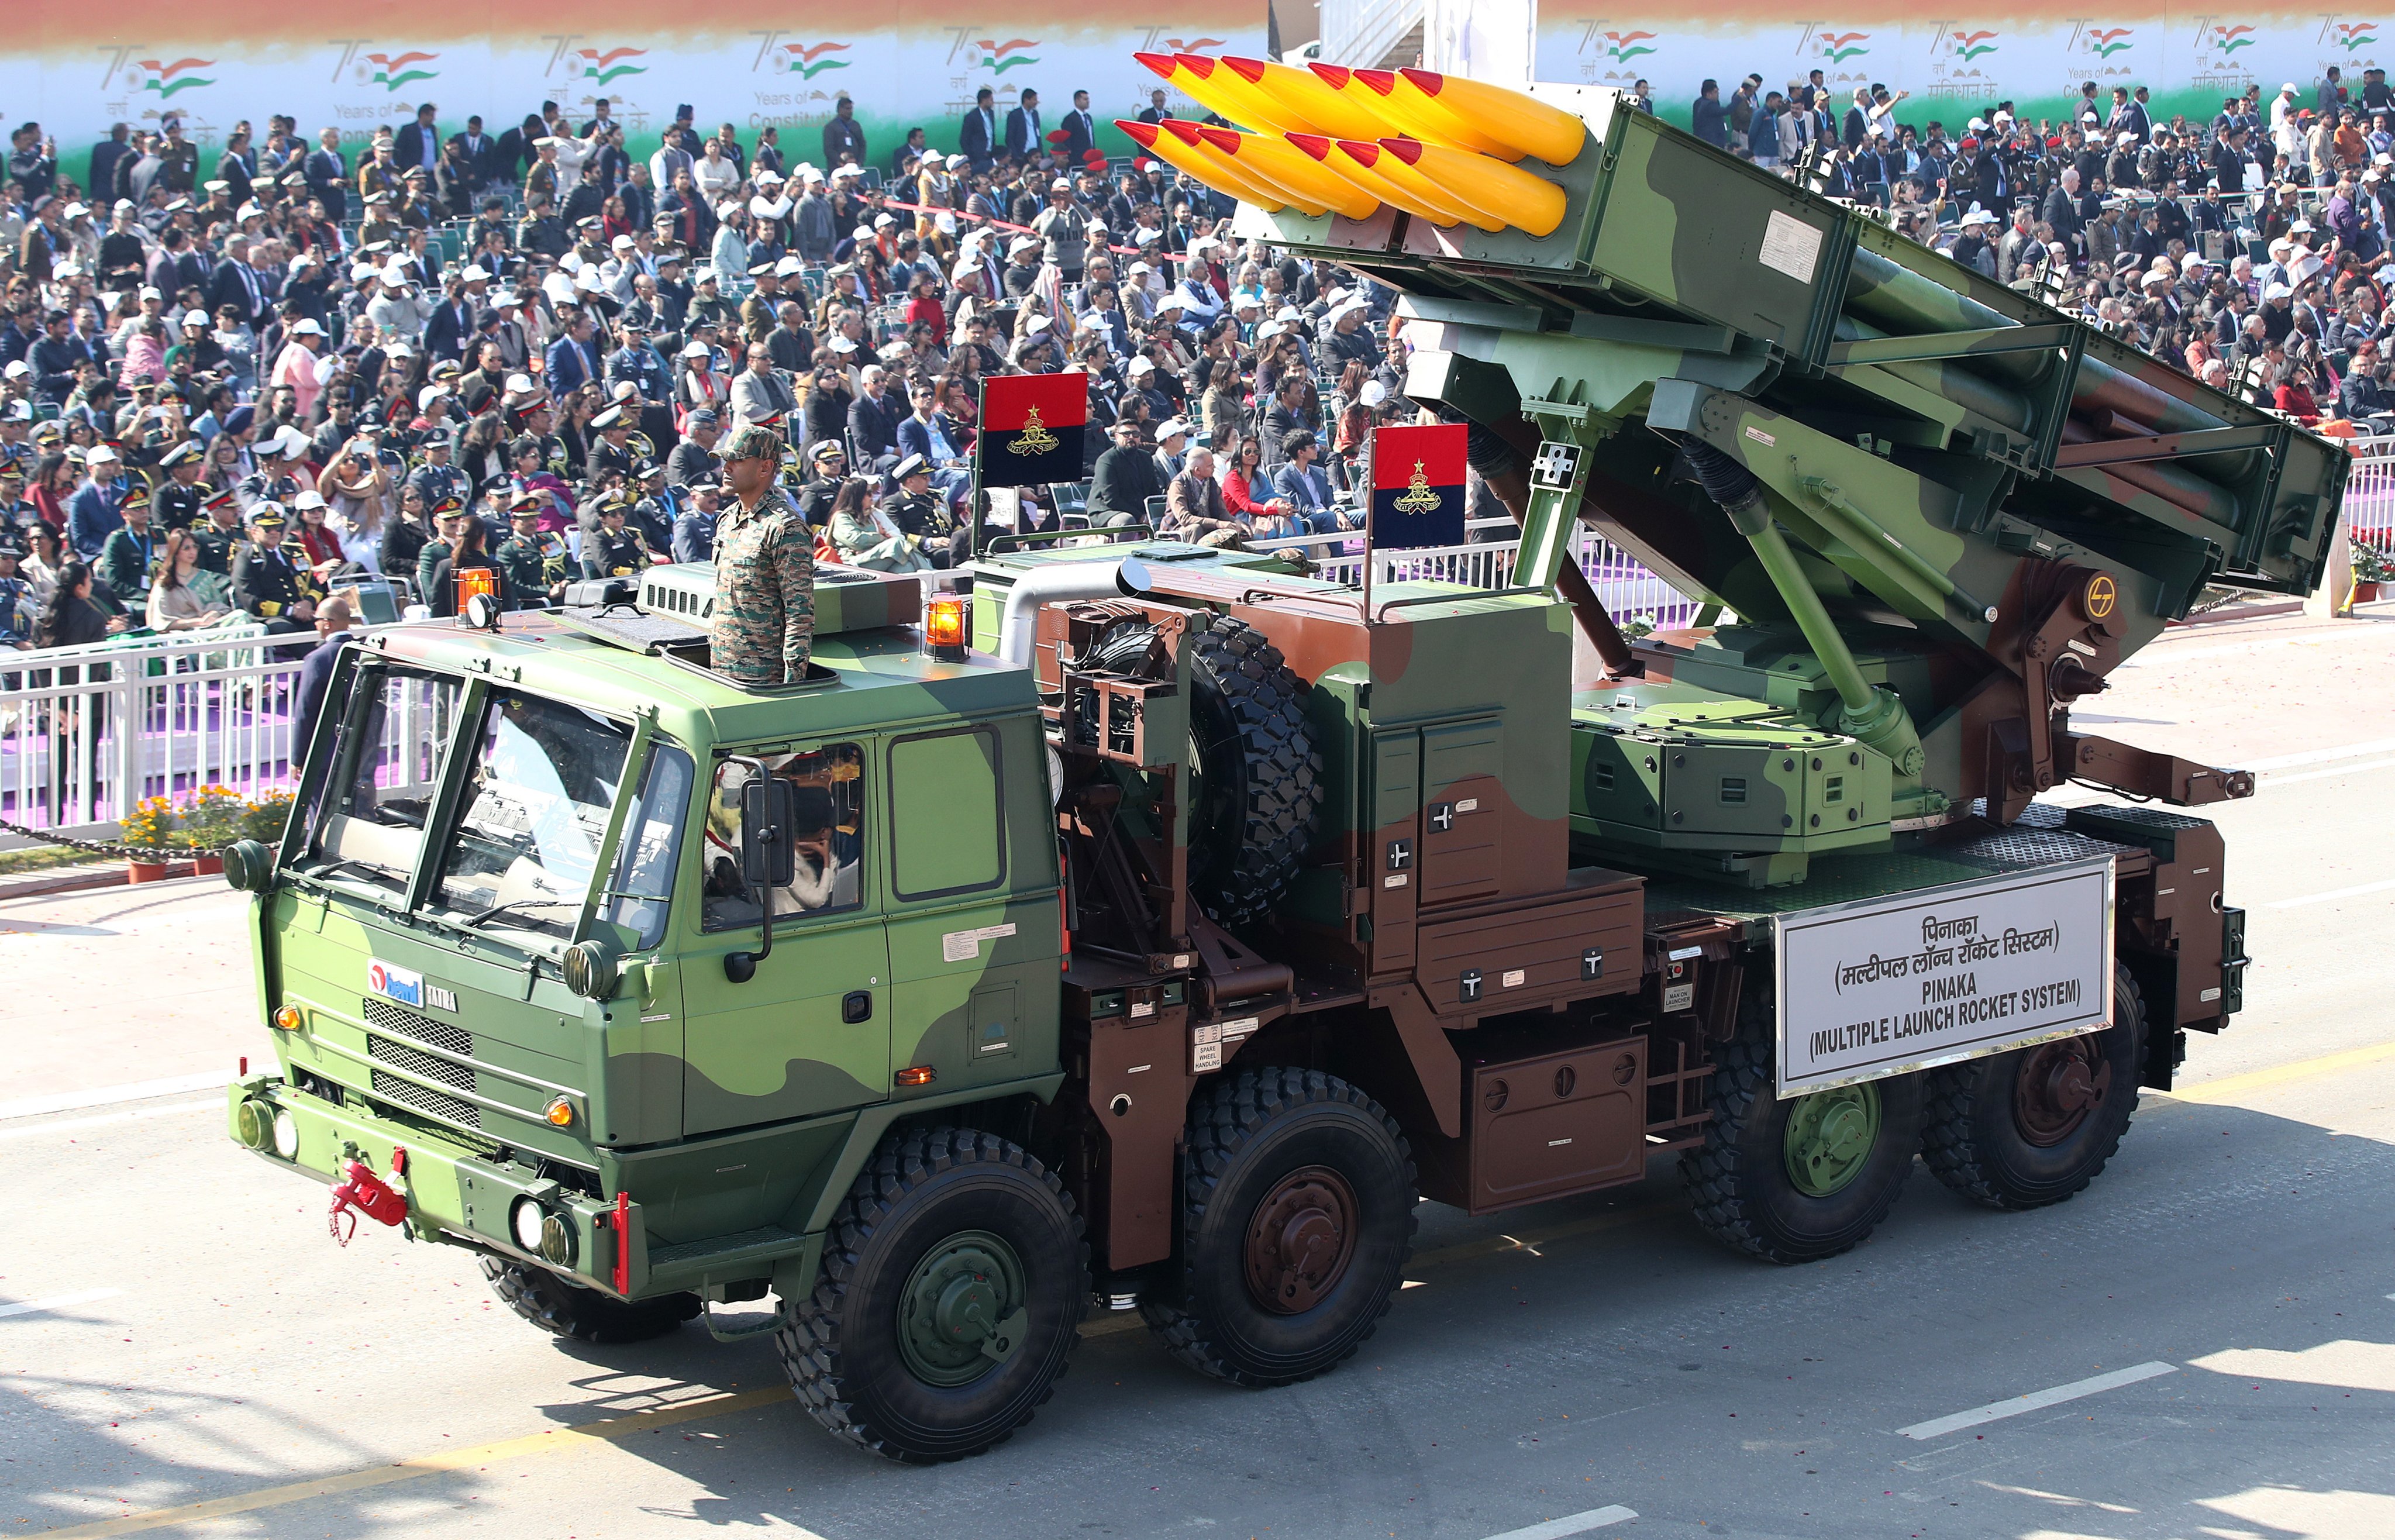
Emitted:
pixel 150 829
pixel 2374 569
pixel 212 819
pixel 262 820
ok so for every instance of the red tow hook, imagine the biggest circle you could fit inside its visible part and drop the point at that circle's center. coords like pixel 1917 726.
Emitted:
pixel 367 1193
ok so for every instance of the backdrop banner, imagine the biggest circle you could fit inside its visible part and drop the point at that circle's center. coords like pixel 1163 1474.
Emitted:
pixel 909 64
pixel 1956 67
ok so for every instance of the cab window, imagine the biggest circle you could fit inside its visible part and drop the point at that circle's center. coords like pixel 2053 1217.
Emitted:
pixel 387 753
pixel 828 791
pixel 947 817
pixel 534 807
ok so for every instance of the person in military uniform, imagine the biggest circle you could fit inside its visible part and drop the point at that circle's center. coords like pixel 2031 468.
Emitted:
pixel 613 449
pixel 637 363
pixel 435 478
pixel 176 502
pixel 923 513
pixel 126 555
pixel 449 516
pixel 612 550
pixel 219 533
pixel 762 631
pixel 657 508
pixel 814 499
pixel 17 614
pixel 15 506
pixel 533 563
pixel 694 536
pixel 267 582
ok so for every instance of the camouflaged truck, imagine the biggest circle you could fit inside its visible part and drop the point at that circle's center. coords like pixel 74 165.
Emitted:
pixel 1159 935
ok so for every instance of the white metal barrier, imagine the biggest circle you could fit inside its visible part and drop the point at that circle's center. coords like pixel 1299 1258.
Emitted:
pixel 2370 492
pixel 1628 590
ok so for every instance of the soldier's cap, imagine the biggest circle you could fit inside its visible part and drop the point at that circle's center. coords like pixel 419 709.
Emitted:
pixel 268 516
pixel 703 418
pixel 435 438
pixel 616 502
pixel 643 469
pixel 448 506
pixel 755 440
pixel 525 504
pixel 136 496
pixel 221 497
pixel 613 416
pixel 187 451
pixel 827 449
pixel 10 546
pixel 913 465
pixel 11 471
pixel 18 411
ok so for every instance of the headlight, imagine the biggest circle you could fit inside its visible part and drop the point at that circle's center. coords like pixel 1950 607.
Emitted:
pixel 557 1241
pixel 254 1123
pixel 524 1221
pixel 287 1134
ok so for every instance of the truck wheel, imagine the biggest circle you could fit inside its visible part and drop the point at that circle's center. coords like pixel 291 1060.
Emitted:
pixel 1797 1180
pixel 1297 1219
pixel 1259 774
pixel 2028 1128
pixel 950 1299
pixel 570 1310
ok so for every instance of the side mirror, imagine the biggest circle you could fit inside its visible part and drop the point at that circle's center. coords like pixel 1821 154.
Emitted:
pixel 248 866
pixel 769 807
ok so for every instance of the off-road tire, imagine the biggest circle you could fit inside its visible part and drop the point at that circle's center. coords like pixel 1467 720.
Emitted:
pixel 1262 771
pixel 839 1344
pixel 1246 1134
pixel 1738 1178
pixel 1972 1144
pixel 570 1310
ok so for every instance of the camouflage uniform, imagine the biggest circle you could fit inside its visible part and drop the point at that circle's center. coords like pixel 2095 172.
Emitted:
pixel 764 620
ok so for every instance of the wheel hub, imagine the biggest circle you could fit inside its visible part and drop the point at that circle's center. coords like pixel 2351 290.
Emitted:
pixel 2058 1085
pixel 961 1313
pixel 1301 1240
pixel 1831 1135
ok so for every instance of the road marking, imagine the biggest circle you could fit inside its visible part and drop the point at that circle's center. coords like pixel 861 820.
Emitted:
pixel 2333 894
pixel 2230 1087
pixel 58 1302
pixel 1579 1523
pixel 2036 1401
pixel 2321 756
pixel 552 1441
pixel 109 1096
pixel 2270 782
pixel 38 1130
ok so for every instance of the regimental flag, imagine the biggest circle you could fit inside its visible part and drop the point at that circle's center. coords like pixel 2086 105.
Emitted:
pixel 1031 427
pixel 1417 487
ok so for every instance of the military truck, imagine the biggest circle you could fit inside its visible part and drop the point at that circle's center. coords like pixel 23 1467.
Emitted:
pixel 1156 932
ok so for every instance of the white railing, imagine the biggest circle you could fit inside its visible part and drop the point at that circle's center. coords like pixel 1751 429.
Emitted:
pixel 2370 491
pixel 1628 590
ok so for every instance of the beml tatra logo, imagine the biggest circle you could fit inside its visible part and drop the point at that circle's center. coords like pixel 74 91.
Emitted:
pixel 167 79
pixel 602 68
pixel 807 60
pixel 1837 47
pixel 1968 45
pixel 2104 42
pixel 392 71
pixel 1002 57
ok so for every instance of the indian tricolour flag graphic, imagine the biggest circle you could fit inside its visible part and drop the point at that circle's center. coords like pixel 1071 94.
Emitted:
pixel 167 79
pixel 392 71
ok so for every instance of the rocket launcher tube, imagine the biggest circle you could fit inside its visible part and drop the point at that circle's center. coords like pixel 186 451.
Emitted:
pixel 1531 203
pixel 1511 117
pixel 1195 76
pixel 1235 97
pixel 1307 97
pixel 1393 169
pixel 1373 90
pixel 1999 404
pixel 1280 164
pixel 1348 168
pixel 1169 148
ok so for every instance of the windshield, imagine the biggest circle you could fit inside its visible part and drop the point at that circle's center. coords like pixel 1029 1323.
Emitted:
pixel 369 822
pixel 531 813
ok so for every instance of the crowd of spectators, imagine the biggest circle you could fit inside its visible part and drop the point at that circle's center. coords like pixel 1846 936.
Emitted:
pixel 2146 226
pixel 233 383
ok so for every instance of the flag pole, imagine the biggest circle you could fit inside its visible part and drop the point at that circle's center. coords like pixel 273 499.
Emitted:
pixel 973 485
pixel 1371 442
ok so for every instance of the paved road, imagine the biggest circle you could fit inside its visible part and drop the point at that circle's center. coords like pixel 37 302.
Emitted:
pixel 2212 1324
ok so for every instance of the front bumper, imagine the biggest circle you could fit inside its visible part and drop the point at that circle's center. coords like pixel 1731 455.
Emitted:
pixel 453 1196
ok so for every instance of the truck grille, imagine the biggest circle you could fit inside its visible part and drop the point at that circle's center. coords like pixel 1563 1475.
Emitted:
pixel 481 1143
pixel 416 1061
pixel 423 1029
pixel 406 1093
